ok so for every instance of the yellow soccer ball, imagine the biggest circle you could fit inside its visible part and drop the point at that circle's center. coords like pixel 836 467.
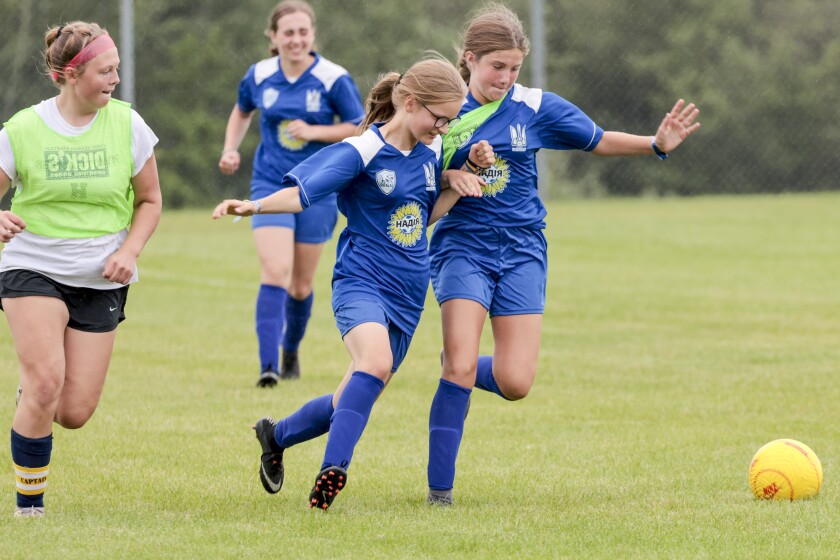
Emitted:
pixel 785 469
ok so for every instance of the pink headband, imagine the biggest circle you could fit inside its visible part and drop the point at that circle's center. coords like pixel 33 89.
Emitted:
pixel 88 53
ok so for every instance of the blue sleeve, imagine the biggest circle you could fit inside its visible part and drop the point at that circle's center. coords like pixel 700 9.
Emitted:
pixel 246 92
pixel 327 171
pixel 562 126
pixel 344 98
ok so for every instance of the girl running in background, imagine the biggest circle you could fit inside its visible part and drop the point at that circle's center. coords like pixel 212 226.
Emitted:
pixel 300 96
pixel 388 181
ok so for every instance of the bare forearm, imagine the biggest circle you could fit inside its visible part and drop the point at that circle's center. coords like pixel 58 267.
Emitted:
pixel 143 224
pixel 284 201
pixel 444 204
pixel 236 129
pixel 622 144
pixel 333 133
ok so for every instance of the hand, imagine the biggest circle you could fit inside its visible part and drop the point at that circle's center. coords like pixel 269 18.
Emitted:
pixel 463 182
pixel 120 267
pixel 229 162
pixel 234 207
pixel 10 225
pixel 482 154
pixel 301 130
pixel 677 126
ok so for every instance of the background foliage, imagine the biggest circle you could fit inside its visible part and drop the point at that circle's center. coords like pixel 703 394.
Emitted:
pixel 764 72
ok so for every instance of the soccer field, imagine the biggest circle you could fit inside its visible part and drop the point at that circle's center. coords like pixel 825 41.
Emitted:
pixel 680 335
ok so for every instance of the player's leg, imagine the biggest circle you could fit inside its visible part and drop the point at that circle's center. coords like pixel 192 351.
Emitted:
pixel 299 305
pixel 516 317
pixel 513 368
pixel 376 350
pixel 310 421
pixel 274 245
pixel 88 355
pixel 313 227
pixel 463 321
pixel 37 325
pixel 88 344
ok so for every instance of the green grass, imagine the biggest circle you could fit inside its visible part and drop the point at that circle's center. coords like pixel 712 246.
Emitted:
pixel 680 335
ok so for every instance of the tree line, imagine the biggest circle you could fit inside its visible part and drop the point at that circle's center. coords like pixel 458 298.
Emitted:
pixel 764 72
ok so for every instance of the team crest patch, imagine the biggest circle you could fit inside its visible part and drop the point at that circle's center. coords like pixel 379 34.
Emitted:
pixel 270 96
pixel 386 180
pixel 518 140
pixel 429 168
pixel 313 100
pixel 495 177
pixel 405 228
pixel 287 140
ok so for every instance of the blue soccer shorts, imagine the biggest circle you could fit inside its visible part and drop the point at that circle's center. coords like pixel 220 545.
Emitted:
pixel 353 313
pixel 503 269
pixel 314 225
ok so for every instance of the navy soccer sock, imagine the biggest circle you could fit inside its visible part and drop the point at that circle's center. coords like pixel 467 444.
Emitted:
pixel 298 312
pixel 350 418
pixel 271 306
pixel 31 458
pixel 308 422
pixel 446 426
pixel 484 376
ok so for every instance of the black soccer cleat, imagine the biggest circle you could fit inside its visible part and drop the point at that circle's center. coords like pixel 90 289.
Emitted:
pixel 290 368
pixel 271 460
pixel 328 484
pixel 268 378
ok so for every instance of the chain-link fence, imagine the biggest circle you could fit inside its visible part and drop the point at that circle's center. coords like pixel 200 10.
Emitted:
pixel 765 74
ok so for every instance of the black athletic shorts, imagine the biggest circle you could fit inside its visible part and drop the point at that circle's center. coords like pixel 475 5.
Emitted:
pixel 90 310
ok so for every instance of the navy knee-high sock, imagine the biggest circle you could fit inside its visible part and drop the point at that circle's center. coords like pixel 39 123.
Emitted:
pixel 484 376
pixel 446 426
pixel 31 458
pixel 298 312
pixel 308 422
pixel 271 307
pixel 350 418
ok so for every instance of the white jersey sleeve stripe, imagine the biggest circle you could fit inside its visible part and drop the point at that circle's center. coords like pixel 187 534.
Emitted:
pixel 532 97
pixel 368 145
pixel 266 68
pixel 328 72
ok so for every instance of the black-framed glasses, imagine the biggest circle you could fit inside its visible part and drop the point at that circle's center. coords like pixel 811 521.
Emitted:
pixel 442 121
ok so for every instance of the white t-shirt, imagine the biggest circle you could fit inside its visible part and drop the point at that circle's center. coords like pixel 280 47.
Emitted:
pixel 73 262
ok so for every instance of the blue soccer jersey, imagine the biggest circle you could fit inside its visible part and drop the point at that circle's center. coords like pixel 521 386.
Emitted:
pixel 387 197
pixel 324 92
pixel 526 121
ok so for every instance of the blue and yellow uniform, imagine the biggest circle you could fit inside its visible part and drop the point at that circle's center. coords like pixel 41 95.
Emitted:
pixel 381 271
pixel 324 93
pixel 491 249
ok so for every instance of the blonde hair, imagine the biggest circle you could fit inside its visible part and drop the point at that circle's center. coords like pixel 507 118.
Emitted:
pixel 283 9
pixel 430 81
pixel 66 41
pixel 493 28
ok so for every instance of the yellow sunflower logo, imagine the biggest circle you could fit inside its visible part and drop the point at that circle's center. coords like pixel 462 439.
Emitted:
pixel 496 177
pixel 287 140
pixel 405 227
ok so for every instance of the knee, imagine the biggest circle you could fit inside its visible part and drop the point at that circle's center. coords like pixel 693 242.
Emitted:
pixel 460 371
pixel 300 290
pixel 75 416
pixel 379 367
pixel 72 420
pixel 514 384
pixel 44 391
pixel 276 274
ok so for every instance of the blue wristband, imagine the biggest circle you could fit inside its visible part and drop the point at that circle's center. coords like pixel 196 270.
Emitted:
pixel 656 150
